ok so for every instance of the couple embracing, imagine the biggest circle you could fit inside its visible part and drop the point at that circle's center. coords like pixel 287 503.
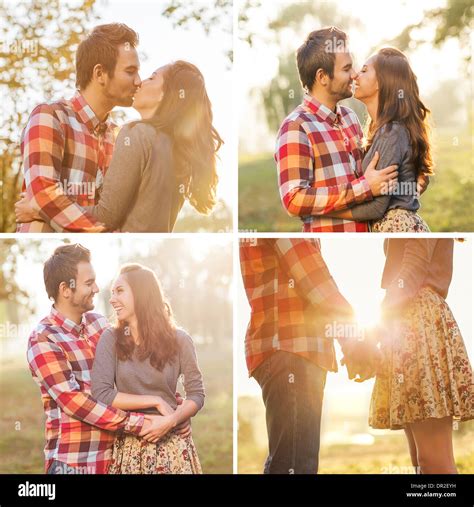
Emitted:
pixel 331 176
pixel 79 178
pixel 423 378
pixel 109 390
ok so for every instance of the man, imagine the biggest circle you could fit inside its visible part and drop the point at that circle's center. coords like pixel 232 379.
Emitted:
pixel 67 145
pixel 289 344
pixel 318 151
pixel 79 430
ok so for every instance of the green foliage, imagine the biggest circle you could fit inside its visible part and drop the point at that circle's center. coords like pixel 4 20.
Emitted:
pixel 260 208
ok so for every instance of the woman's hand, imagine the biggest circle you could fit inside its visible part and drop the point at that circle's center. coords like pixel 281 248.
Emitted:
pixel 25 211
pixel 160 426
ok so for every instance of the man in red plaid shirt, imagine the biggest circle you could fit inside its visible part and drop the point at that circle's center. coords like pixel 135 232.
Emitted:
pixel 67 145
pixel 79 430
pixel 318 150
pixel 296 312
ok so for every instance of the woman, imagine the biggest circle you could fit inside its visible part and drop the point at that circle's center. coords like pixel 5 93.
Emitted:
pixel 160 161
pixel 137 366
pixel 425 379
pixel 399 132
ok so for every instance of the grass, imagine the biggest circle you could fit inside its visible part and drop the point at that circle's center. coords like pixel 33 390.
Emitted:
pixel 22 417
pixel 446 206
pixel 387 454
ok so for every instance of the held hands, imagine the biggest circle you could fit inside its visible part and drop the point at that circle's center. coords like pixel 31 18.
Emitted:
pixel 156 427
pixel 361 359
pixel 382 181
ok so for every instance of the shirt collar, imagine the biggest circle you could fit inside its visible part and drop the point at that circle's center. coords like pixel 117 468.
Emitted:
pixel 67 324
pixel 87 115
pixel 321 111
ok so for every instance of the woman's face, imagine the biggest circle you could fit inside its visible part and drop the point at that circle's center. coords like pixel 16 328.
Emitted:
pixel 150 93
pixel 122 299
pixel 366 85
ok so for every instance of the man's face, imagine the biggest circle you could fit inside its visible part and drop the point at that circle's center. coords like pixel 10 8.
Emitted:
pixel 121 88
pixel 85 288
pixel 340 87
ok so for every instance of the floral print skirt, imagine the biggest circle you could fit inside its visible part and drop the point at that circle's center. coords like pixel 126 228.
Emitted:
pixel 172 454
pixel 400 220
pixel 425 370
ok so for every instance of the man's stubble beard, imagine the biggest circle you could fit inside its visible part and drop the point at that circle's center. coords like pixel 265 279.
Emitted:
pixel 83 306
pixel 340 94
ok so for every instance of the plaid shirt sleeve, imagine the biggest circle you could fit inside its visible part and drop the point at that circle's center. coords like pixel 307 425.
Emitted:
pixel 304 263
pixel 52 369
pixel 294 156
pixel 43 150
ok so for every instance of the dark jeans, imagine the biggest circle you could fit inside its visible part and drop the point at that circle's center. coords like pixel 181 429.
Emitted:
pixel 292 390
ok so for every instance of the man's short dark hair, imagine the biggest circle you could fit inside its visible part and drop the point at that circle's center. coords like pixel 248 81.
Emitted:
pixel 101 47
pixel 62 267
pixel 319 52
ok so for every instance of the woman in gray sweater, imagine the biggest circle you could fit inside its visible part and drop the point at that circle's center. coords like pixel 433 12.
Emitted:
pixel 398 132
pixel 137 366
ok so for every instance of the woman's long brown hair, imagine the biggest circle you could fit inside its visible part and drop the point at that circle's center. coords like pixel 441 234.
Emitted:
pixel 399 100
pixel 185 114
pixel 156 327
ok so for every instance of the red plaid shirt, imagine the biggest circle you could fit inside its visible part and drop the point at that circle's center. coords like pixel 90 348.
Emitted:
pixel 66 151
pixel 293 298
pixel 318 158
pixel 60 356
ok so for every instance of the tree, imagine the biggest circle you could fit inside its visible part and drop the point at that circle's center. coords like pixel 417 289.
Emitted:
pixel 39 42
pixel 452 21
pixel 11 252
pixel 215 16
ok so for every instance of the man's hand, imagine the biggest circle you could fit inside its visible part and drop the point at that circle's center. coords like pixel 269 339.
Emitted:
pixel 158 427
pixel 382 181
pixel 422 183
pixel 24 211
pixel 184 429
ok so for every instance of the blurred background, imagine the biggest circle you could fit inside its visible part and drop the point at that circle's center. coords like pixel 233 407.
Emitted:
pixel 436 37
pixel 196 276
pixel 348 444
pixel 38 42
